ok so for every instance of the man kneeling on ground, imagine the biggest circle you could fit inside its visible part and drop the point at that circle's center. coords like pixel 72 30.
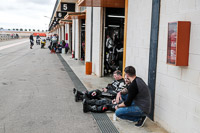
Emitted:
pixel 137 104
pixel 109 92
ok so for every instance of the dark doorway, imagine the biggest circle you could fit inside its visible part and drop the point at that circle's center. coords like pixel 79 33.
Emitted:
pixel 82 39
pixel 70 37
pixel 114 38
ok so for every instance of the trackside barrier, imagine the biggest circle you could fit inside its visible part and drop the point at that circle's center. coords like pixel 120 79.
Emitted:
pixel 4 37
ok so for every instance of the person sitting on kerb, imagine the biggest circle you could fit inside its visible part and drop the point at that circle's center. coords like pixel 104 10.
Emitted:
pixel 109 92
pixel 103 105
pixel 137 103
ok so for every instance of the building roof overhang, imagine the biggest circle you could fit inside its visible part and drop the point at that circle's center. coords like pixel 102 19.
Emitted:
pixel 63 21
pixel 102 3
pixel 75 15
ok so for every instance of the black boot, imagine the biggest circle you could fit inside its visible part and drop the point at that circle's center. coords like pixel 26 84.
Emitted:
pixel 78 95
pixel 86 107
pixel 74 91
pixel 89 108
pixel 85 96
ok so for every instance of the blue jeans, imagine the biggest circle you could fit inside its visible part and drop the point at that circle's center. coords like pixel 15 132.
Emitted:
pixel 132 113
pixel 124 97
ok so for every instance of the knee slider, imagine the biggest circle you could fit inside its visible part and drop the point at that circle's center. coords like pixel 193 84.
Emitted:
pixel 104 108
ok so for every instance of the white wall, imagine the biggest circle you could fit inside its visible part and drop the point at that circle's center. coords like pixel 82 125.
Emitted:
pixel 63 33
pixel 97 41
pixel 67 32
pixel 59 33
pixel 77 39
pixel 88 35
pixel 138 36
pixel 178 88
pixel 73 34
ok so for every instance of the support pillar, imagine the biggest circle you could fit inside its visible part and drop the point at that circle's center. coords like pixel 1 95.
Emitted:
pixel 59 34
pixel 73 37
pixel 77 39
pixel 62 33
pixel 66 33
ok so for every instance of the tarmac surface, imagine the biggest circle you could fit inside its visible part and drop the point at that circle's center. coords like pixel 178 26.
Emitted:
pixel 36 93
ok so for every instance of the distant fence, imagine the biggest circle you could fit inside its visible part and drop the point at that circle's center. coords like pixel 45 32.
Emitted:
pixel 4 37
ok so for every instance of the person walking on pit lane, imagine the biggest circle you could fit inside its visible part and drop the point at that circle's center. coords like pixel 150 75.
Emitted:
pixel 54 42
pixel 137 104
pixel 31 41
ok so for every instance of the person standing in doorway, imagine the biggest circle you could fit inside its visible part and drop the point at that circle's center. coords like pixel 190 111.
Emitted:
pixel 109 43
pixel 83 50
pixel 108 55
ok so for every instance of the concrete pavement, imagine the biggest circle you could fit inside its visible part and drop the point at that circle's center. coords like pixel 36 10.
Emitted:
pixel 36 94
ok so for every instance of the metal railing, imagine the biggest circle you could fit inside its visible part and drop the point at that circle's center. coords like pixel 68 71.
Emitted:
pixel 4 37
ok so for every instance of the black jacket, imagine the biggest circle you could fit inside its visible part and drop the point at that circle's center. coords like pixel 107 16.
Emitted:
pixel 139 92
pixel 116 86
pixel 31 37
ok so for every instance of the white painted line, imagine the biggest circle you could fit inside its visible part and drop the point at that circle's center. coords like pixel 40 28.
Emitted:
pixel 11 45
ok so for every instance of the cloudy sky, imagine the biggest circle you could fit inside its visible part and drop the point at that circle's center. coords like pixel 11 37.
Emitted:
pixel 26 14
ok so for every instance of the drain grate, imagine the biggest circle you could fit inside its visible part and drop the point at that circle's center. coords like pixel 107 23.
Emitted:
pixel 104 123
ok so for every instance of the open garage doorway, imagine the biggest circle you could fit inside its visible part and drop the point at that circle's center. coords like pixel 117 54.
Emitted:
pixel 82 39
pixel 113 40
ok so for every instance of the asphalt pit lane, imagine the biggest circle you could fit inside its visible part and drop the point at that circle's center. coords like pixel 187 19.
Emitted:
pixel 22 79
pixel 4 83
pixel 62 69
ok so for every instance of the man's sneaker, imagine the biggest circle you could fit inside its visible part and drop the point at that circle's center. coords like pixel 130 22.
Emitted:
pixel 141 122
pixel 85 106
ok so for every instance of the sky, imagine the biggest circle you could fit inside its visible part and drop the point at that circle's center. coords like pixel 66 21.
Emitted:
pixel 26 14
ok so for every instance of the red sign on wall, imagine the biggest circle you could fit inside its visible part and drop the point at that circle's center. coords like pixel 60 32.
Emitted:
pixel 178 43
pixel 66 36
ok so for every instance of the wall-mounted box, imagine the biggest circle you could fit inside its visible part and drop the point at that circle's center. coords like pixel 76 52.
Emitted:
pixel 178 43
